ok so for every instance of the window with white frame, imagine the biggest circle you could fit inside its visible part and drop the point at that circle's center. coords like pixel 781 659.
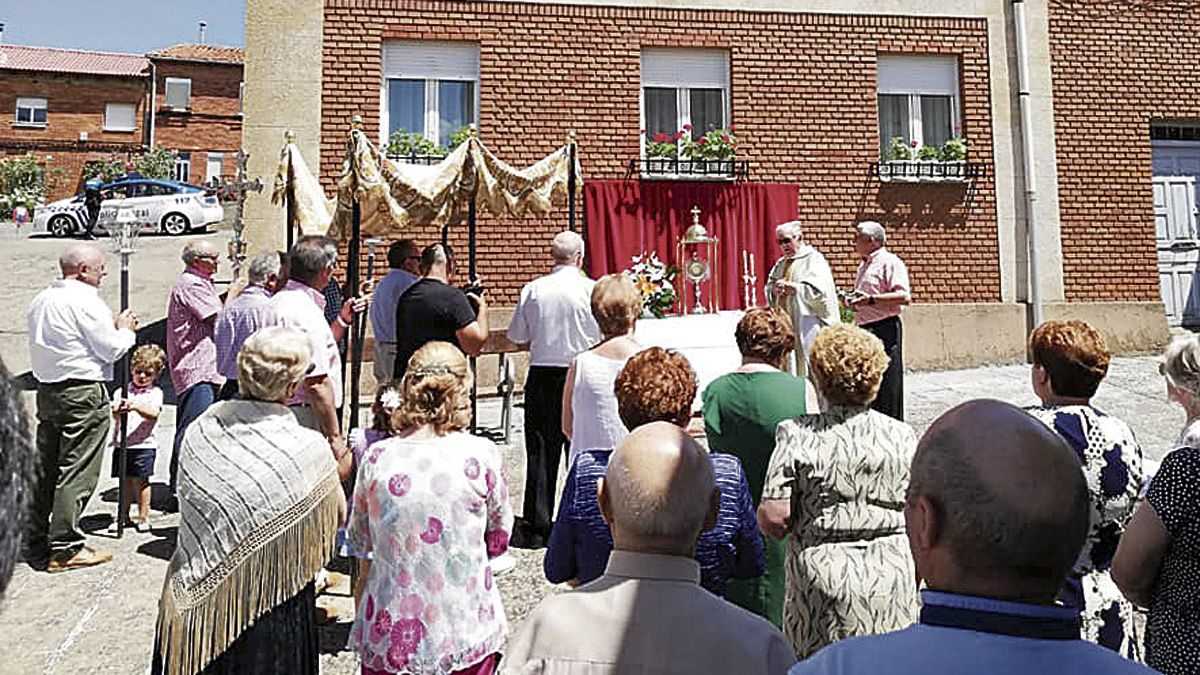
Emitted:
pixel 684 90
pixel 919 100
pixel 31 112
pixel 178 93
pixel 120 117
pixel 214 168
pixel 429 88
pixel 183 167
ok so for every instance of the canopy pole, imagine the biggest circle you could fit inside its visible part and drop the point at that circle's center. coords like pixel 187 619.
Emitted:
pixel 289 199
pixel 352 288
pixel 571 181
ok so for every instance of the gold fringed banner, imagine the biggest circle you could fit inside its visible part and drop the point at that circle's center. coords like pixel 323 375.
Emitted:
pixel 314 212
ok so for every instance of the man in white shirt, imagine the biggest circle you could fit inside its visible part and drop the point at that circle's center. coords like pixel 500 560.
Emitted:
pixel 301 305
pixel 73 343
pixel 554 317
pixel 404 259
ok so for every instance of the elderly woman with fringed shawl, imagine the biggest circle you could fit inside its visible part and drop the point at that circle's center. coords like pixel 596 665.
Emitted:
pixel 259 507
pixel 802 284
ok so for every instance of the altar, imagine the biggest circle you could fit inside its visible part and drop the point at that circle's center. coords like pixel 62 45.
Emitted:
pixel 705 339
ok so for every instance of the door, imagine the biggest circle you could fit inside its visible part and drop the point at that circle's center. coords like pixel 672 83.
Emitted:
pixel 1178 247
pixel 213 169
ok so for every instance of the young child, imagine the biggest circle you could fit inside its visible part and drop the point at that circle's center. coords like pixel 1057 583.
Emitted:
pixel 145 402
pixel 387 401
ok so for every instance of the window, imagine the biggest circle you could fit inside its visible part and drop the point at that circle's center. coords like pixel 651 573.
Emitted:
pixel 178 93
pixel 213 169
pixel 430 88
pixel 682 87
pixel 183 167
pixel 120 117
pixel 31 112
pixel 918 100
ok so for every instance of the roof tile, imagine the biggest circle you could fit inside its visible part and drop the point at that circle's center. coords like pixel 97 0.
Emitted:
pixel 54 60
pixel 206 53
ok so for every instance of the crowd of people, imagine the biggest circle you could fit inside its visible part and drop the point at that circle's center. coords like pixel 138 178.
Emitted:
pixel 729 529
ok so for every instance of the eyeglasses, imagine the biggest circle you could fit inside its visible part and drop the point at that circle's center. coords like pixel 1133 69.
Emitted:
pixel 785 240
pixel 209 256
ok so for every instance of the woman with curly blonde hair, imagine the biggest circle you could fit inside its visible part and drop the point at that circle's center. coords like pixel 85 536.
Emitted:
pixel 836 483
pixel 431 506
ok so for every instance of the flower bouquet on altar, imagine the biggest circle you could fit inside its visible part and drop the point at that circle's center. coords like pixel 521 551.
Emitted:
pixel 653 279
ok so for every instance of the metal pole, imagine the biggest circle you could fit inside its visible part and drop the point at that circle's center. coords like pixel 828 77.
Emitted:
pixel 1027 163
pixel 352 284
pixel 123 420
pixel 290 203
pixel 571 180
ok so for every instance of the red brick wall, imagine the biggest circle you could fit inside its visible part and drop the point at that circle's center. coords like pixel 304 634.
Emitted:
pixel 1117 65
pixel 212 124
pixel 803 98
pixel 74 103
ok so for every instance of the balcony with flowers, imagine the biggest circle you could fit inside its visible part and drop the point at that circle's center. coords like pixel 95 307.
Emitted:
pixel 915 163
pixel 685 156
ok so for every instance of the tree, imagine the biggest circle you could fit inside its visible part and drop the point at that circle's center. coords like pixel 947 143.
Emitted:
pixel 22 181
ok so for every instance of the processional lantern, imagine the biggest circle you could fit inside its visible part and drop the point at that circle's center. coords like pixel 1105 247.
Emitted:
pixel 701 265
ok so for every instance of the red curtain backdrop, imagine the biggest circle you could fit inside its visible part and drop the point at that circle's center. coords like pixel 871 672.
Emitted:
pixel 626 218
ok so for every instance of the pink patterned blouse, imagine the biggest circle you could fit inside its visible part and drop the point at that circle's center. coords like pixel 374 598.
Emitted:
pixel 433 512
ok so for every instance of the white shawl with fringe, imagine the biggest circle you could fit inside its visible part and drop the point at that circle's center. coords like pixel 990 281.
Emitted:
pixel 258 507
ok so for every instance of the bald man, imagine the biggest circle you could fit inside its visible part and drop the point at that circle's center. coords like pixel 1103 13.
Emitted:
pixel 648 613
pixel 995 522
pixel 73 342
pixel 191 350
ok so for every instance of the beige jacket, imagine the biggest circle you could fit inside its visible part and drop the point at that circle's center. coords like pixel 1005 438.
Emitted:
pixel 647 614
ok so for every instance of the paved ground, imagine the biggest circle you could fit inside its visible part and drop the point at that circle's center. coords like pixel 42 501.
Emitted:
pixel 102 620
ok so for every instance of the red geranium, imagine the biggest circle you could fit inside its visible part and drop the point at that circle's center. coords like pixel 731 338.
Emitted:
pixel 732 128
pixel 687 127
pixel 678 135
pixel 914 144
pixel 701 141
pixel 642 132
pixel 661 137
pixel 725 138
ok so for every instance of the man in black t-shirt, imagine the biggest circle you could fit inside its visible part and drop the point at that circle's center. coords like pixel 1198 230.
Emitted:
pixel 432 309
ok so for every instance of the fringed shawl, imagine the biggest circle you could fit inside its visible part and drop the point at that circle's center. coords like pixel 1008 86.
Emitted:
pixel 258 506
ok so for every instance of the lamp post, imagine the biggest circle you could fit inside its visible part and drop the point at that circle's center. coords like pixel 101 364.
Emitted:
pixel 123 235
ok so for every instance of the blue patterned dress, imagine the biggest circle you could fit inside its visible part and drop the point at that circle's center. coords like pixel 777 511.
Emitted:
pixel 1112 465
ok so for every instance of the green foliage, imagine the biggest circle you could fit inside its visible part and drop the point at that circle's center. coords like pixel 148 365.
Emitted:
pixel 954 150
pixel 927 153
pixel 847 314
pixel 405 144
pixel 22 181
pixel 716 144
pixel 897 151
pixel 156 163
pixel 657 149
pixel 459 137
pixel 105 169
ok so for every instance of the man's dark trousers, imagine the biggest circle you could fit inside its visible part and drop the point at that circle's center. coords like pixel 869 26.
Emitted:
pixel 192 404
pixel 74 418
pixel 890 400
pixel 545 444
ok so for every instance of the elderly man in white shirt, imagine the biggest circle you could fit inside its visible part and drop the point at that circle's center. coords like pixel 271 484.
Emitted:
pixel 554 317
pixel 73 343
pixel 301 305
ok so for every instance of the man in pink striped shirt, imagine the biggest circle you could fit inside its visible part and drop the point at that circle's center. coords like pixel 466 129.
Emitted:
pixel 191 353
pixel 881 290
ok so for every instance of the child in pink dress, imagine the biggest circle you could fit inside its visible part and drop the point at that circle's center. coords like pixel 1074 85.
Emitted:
pixel 144 401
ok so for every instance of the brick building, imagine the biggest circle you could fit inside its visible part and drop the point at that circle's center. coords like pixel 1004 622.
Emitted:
pixel 815 93
pixel 198 109
pixel 71 107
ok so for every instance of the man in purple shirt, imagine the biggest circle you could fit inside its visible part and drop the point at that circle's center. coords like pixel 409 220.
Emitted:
pixel 191 353
pixel 251 311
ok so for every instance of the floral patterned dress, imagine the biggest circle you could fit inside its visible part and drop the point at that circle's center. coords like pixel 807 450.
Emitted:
pixel 1112 464
pixel 433 512
pixel 849 570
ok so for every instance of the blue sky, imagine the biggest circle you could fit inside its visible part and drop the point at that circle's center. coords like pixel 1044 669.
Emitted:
pixel 133 26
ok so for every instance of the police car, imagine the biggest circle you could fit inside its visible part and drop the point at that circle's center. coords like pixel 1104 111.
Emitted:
pixel 160 205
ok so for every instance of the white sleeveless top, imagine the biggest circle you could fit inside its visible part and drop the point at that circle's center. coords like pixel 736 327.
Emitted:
pixel 595 424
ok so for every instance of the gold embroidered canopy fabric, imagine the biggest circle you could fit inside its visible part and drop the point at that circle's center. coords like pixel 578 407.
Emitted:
pixel 392 195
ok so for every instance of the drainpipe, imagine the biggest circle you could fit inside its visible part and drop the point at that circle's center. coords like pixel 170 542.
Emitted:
pixel 1030 177
pixel 153 99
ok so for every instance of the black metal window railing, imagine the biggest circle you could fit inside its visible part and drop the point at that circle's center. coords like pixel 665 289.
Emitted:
pixel 423 160
pixel 906 171
pixel 686 168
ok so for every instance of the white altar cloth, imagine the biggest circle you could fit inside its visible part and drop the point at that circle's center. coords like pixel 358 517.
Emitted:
pixel 705 339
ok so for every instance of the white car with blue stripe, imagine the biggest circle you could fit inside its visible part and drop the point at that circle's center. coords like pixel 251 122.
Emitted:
pixel 164 206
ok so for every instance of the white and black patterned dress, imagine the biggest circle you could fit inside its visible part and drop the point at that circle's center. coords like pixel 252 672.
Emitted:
pixel 1112 465
pixel 849 570
pixel 1173 626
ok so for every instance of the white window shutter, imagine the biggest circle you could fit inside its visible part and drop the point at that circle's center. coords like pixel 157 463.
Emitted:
pixel 936 75
pixel 429 60
pixel 120 116
pixel 682 68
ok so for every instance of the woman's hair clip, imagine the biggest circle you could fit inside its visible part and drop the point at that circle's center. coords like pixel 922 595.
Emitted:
pixel 430 370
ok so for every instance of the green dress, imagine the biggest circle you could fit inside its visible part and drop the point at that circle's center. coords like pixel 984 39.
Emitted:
pixel 741 411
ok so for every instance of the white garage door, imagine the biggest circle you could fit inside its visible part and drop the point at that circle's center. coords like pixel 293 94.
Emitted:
pixel 1176 195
